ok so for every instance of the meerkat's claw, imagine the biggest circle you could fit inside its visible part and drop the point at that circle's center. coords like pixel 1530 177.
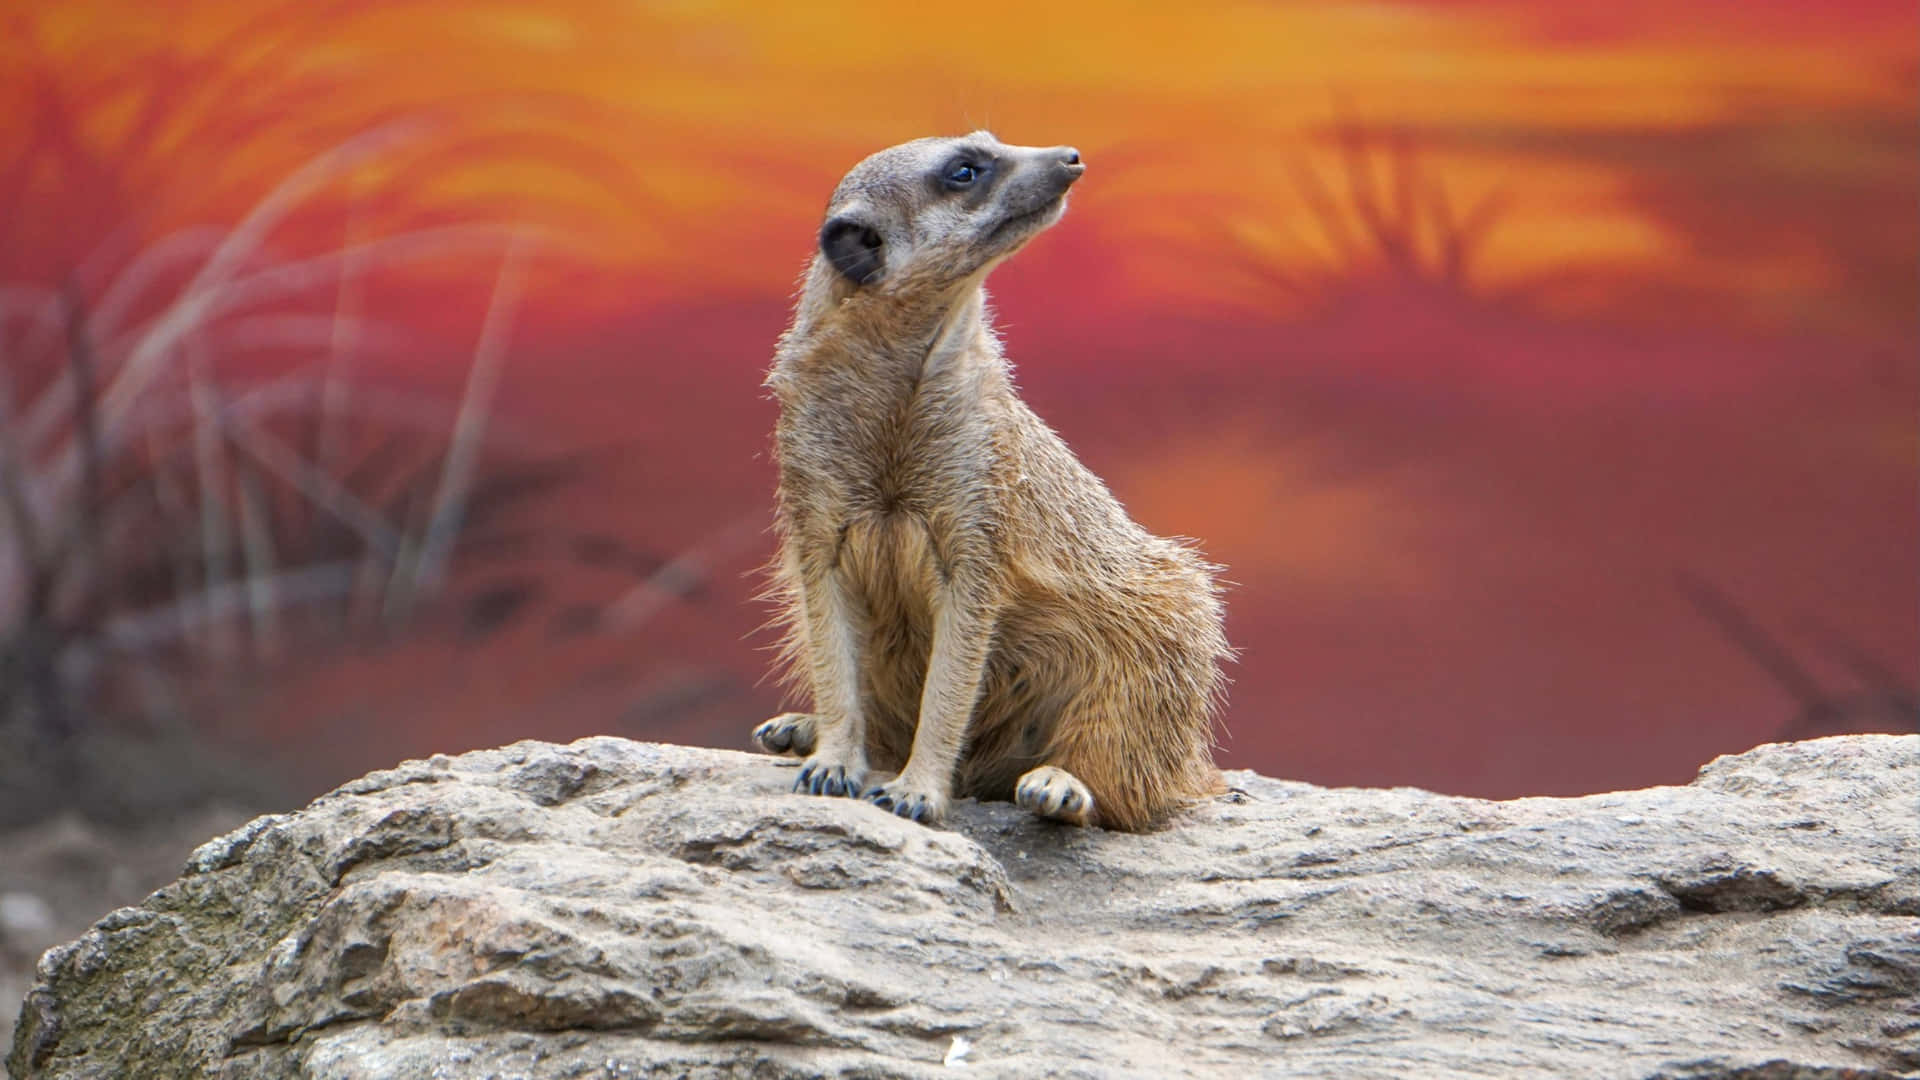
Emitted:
pixel 822 778
pixel 789 733
pixel 1055 793
pixel 913 805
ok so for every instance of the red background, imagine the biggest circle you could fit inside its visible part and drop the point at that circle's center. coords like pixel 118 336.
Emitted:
pixel 1463 334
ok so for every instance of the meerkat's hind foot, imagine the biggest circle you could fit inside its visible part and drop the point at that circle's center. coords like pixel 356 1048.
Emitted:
pixel 789 733
pixel 1053 792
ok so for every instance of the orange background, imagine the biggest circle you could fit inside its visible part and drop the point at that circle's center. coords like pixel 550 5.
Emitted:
pixel 1455 330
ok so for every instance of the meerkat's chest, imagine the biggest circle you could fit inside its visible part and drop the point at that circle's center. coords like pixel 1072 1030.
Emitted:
pixel 886 490
pixel 892 561
pixel 912 460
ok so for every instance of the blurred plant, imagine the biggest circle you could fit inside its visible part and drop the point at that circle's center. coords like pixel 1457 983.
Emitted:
pixel 1882 700
pixel 182 126
pixel 1385 218
pixel 159 522
pixel 198 476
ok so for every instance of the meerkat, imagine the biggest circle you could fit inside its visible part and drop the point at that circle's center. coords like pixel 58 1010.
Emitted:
pixel 968 607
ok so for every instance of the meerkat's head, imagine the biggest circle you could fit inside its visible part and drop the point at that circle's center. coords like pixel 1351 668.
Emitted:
pixel 934 213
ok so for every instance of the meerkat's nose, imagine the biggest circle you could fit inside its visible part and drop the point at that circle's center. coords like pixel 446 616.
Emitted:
pixel 1069 159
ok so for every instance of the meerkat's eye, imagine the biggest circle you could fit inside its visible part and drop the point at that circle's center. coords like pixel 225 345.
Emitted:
pixel 961 173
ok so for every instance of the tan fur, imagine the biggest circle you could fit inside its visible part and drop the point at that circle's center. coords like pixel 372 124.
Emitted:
pixel 964 602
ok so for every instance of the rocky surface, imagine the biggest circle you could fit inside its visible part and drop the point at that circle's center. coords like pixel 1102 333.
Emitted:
pixel 614 909
pixel 59 875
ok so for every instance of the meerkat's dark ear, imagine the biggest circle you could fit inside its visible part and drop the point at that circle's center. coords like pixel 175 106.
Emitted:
pixel 853 247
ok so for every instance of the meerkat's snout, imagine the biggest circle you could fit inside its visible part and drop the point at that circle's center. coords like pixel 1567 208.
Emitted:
pixel 1033 197
pixel 1067 165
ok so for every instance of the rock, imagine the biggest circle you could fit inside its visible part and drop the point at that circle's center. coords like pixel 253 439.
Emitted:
pixel 614 909
pixel 59 874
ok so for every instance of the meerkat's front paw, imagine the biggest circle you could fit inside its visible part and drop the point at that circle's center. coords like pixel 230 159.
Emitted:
pixel 789 733
pixel 820 776
pixel 925 807
pixel 1055 793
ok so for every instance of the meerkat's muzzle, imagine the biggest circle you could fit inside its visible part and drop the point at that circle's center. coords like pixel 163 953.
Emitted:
pixel 1048 171
pixel 1037 195
pixel 1068 161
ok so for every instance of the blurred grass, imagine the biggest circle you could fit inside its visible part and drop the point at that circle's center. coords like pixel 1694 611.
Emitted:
pixel 168 524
